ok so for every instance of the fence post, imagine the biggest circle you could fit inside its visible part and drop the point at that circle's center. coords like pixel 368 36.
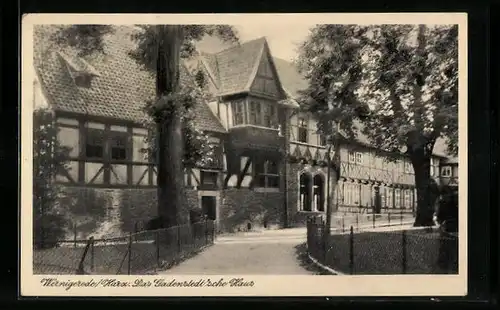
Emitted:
pixel 357 221
pixel 92 255
pixel 351 251
pixel 206 232
pixel 179 242
pixel 214 231
pixel 324 239
pixel 129 253
pixel 373 219
pixel 403 245
pixel 401 216
pixel 343 224
pixel 157 241
pixel 74 235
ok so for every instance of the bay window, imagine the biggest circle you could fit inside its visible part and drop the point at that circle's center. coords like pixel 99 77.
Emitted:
pixel 239 113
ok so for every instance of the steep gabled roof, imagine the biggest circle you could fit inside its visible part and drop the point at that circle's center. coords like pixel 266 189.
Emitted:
pixel 233 67
pixel 120 89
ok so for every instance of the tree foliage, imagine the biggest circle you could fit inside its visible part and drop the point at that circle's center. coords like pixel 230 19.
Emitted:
pixel 397 84
pixel 48 158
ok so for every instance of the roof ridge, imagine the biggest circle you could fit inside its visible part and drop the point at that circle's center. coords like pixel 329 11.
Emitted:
pixel 239 45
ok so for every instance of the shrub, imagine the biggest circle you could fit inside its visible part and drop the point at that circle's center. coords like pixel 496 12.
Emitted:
pixel 48 158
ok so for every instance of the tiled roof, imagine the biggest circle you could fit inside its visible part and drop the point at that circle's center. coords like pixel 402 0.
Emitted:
pixel 120 89
pixel 233 67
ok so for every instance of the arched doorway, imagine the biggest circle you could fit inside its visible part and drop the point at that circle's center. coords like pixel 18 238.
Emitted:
pixel 305 192
pixel 319 192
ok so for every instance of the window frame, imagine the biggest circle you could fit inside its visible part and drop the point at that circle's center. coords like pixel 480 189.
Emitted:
pixel 255 113
pixel 265 174
pixel 89 136
pixel 238 113
pixel 389 196
pixel 447 169
pixel 269 117
pixel 359 158
pixel 407 198
pixel 203 178
pixel 407 167
pixel 302 126
pixel 397 198
pixel 126 140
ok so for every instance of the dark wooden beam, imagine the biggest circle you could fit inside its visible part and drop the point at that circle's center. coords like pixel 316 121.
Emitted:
pixel 107 154
pixel 243 172
pixel 82 133
pixel 130 156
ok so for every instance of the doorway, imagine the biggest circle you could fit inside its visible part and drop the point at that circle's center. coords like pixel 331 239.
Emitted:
pixel 209 207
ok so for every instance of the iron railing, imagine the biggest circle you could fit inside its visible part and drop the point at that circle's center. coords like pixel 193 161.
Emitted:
pixel 143 252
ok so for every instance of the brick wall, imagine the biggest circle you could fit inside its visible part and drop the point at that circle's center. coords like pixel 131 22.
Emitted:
pixel 106 212
pixel 240 207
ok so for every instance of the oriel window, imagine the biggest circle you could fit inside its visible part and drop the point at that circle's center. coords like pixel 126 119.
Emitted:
pixel 238 113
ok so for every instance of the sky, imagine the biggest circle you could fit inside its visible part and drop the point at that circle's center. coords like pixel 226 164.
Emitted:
pixel 282 38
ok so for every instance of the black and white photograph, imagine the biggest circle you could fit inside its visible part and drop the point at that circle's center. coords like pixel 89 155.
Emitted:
pixel 226 150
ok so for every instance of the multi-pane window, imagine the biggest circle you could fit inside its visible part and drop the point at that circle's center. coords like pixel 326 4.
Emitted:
pixel 118 146
pixel 351 194
pixel 208 178
pixel 270 116
pixel 267 173
pixel 389 197
pixel 446 171
pixel 407 198
pixel 359 158
pixel 255 113
pixel 94 144
pixel 303 131
pixel 355 157
pixel 239 113
pixel 408 168
pixel 397 198
pixel 352 157
pixel 322 140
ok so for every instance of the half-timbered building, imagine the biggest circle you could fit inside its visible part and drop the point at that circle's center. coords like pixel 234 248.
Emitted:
pixel 270 167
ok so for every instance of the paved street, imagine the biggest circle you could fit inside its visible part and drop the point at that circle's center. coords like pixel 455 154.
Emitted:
pixel 266 253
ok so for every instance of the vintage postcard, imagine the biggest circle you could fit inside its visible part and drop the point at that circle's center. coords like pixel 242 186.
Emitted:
pixel 244 155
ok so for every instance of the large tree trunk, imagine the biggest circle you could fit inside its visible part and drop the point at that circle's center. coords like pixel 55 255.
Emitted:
pixel 171 196
pixel 425 188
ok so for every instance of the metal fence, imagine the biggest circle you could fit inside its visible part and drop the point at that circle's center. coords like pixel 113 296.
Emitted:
pixel 365 221
pixel 142 252
pixel 413 251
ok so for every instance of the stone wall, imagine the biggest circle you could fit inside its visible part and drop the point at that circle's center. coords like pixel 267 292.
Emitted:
pixel 245 209
pixel 296 217
pixel 108 212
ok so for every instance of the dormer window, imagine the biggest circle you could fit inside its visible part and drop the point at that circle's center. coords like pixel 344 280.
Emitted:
pixel 80 70
pixel 83 80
